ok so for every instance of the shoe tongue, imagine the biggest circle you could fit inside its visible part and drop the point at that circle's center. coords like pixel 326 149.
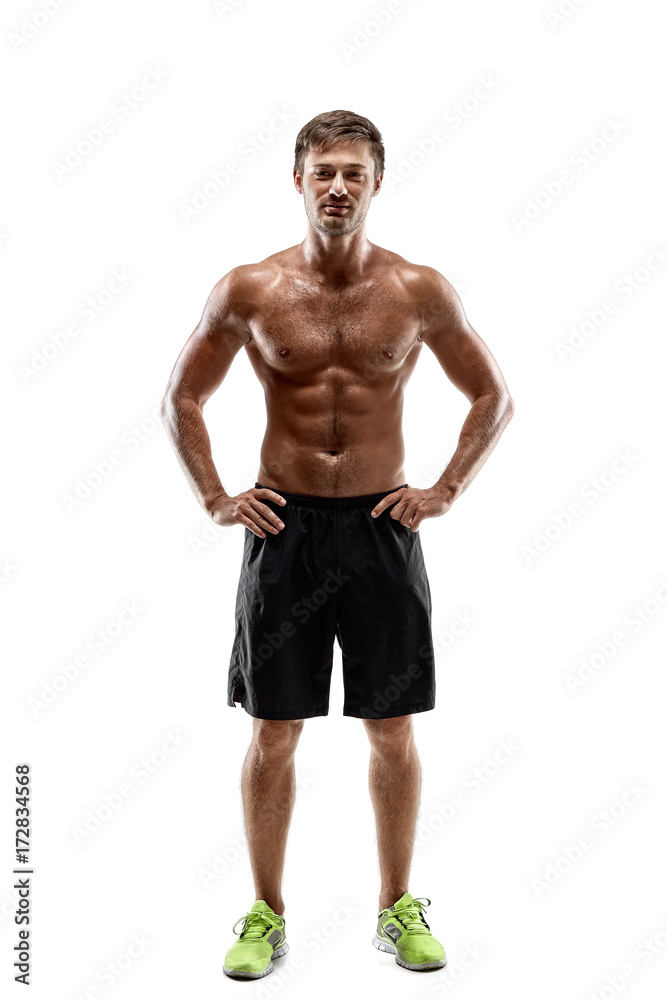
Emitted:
pixel 410 913
pixel 260 906
pixel 256 929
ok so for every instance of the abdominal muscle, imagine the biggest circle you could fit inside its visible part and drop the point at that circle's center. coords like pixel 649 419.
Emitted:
pixel 333 439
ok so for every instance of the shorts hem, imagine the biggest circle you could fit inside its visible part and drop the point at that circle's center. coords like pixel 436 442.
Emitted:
pixel 301 713
pixel 393 712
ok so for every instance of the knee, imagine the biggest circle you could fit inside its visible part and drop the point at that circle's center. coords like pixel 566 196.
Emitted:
pixel 390 735
pixel 277 736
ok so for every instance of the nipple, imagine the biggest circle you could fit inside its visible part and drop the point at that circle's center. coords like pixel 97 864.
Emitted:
pixel 388 354
pixel 284 352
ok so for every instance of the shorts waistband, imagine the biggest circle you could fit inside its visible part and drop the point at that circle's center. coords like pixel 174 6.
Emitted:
pixel 332 503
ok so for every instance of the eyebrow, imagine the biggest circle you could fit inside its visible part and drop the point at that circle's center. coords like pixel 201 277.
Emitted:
pixel 347 165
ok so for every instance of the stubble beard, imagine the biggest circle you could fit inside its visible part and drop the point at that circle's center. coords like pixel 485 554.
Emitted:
pixel 330 224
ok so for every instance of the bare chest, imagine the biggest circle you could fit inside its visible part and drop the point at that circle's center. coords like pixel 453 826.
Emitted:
pixel 306 331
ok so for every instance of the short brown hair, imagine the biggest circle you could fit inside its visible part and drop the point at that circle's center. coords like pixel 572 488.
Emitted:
pixel 338 126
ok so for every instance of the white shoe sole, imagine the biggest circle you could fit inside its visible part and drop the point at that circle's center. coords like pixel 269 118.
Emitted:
pixel 239 974
pixel 389 948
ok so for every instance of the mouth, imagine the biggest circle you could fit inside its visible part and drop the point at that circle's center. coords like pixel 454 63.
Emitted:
pixel 336 209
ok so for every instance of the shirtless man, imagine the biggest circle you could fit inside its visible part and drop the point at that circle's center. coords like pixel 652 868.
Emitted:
pixel 333 328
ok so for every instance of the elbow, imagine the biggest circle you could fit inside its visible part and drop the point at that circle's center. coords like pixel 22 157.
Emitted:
pixel 506 410
pixel 166 407
pixel 169 410
pixel 500 403
pixel 502 407
pixel 171 400
pixel 176 406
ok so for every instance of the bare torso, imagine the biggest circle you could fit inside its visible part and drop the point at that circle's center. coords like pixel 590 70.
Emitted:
pixel 334 362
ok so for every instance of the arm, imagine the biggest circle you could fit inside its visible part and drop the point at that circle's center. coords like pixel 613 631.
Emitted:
pixel 199 370
pixel 470 366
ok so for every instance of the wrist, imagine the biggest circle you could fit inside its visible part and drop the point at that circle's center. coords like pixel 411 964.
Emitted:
pixel 448 491
pixel 209 503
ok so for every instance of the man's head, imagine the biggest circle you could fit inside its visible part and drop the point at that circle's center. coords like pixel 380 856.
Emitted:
pixel 338 161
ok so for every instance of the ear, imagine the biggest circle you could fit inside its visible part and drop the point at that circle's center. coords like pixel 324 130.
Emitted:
pixel 298 182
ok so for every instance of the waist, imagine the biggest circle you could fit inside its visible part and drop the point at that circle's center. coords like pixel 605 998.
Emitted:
pixel 331 503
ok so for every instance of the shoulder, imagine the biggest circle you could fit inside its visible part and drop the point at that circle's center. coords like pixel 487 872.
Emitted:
pixel 425 282
pixel 246 283
pixel 432 295
pixel 240 285
pixel 238 292
pixel 417 278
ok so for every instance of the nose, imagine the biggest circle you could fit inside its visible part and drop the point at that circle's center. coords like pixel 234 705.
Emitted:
pixel 338 185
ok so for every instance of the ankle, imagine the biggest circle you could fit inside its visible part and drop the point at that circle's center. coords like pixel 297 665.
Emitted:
pixel 388 899
pixel 276 903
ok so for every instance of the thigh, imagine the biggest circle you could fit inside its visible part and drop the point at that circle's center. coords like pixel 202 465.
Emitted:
pixel 384 619
pixel 281 660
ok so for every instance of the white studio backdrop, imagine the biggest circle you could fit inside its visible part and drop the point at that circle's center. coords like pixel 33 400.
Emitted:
pixel 526 162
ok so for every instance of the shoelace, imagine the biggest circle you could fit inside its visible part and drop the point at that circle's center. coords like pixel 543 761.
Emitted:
pixel 253 927
pixel 411 915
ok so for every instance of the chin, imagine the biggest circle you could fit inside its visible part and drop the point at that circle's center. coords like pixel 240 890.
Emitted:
pixel 333 229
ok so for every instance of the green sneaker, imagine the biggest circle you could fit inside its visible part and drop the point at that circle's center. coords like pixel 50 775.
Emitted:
pixel 261 939
pixel 403 932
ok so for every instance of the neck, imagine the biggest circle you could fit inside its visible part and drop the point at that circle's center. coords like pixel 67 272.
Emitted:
pixel 337 258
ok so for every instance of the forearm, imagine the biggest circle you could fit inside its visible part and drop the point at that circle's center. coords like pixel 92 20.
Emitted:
pixel 184 423
pixel 481 431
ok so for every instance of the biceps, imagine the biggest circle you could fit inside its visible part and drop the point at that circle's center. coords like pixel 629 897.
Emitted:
pixel 202 365
pixel 466 360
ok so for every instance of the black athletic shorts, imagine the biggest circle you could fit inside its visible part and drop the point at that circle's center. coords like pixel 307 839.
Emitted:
pixel 332 571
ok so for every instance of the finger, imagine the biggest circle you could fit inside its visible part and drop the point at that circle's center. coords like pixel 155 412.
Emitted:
pixel 399 511
pixel 261 522
pixel 242 519
pixel 406 517
pixel 270 495
pixel 386 502
pixel 265 514
pixel 409 514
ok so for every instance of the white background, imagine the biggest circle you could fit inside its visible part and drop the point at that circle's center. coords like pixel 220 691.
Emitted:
pixel 540 607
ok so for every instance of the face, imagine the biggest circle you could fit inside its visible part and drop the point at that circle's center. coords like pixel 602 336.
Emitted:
pixel 337 186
